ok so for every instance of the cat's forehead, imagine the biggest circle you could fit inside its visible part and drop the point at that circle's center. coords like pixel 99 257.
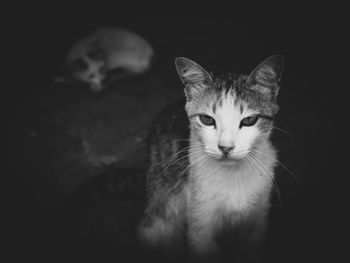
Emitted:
pixel 231 89
pixel 226 99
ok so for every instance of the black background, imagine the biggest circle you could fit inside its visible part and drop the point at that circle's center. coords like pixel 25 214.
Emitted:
pixel 310 226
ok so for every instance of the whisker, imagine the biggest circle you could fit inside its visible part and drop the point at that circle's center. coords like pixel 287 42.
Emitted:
pixel 257 162
pixel 275 159
pixel 181 150
pixel 258 166
pixel 201 158
pixel 250 163
pixel 177 160
pixel 179 140
pixel 184 156
pixel 284 131
pixel 168 160
pixel 197 161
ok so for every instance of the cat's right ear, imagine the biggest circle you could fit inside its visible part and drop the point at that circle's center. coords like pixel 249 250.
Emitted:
pixel 192 75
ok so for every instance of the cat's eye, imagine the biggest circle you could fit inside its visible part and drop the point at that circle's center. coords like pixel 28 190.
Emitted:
pixel 206 120
pixel 249 121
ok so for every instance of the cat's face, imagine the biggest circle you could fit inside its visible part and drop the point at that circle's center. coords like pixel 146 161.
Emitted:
pixel 232 114
pixel 226 126
pixel 87 64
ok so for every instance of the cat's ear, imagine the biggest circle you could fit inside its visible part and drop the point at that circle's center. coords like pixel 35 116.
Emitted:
pixel 191 73
pixel 268 74
pixel 193 76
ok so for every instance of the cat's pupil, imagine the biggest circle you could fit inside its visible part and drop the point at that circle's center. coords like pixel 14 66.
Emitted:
pixel 207 120
pixel 249 121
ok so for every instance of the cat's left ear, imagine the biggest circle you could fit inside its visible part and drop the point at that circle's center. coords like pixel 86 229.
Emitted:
pixel 268 74
pixel 191 73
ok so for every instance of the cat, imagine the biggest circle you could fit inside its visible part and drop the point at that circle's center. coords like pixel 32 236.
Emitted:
pixel 211 165
pixel 106 50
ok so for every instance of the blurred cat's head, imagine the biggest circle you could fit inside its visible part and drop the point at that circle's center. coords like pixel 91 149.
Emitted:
pixel 86 63
pixel 231 115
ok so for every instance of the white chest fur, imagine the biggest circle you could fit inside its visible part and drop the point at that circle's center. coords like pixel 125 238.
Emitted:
pixel 216 187
pixel 218 193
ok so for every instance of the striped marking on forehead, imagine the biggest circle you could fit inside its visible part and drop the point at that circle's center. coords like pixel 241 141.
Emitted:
pixel 227 97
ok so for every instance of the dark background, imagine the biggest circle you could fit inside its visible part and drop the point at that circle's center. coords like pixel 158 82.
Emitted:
pixel 70 204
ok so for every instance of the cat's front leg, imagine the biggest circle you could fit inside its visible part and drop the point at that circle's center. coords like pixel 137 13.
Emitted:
pixel 243 241
pixel 162 228
pixel 202 245
pixel 163 238
pixel 252 245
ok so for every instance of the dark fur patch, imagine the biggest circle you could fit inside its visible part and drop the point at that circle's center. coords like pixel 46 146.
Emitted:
pixel 167 131
pixel 214 107
pixel 241 108
pixel 265 124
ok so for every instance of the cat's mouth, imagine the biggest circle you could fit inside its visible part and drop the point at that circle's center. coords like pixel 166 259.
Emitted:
pixel 226 159
pixel 229 160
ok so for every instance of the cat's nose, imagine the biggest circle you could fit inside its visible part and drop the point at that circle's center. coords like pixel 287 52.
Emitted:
pixel 226 149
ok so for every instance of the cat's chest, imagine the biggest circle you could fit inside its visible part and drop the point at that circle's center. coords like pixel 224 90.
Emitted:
pixel 227 190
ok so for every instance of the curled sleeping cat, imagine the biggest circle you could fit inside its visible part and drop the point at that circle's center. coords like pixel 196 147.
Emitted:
pixel 211 166
pixel 105 50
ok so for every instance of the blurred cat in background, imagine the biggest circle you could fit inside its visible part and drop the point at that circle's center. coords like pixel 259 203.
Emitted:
pixel 108 51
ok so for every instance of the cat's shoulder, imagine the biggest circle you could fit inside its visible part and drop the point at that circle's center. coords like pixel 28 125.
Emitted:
pixel 172 116
pixel 171 124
